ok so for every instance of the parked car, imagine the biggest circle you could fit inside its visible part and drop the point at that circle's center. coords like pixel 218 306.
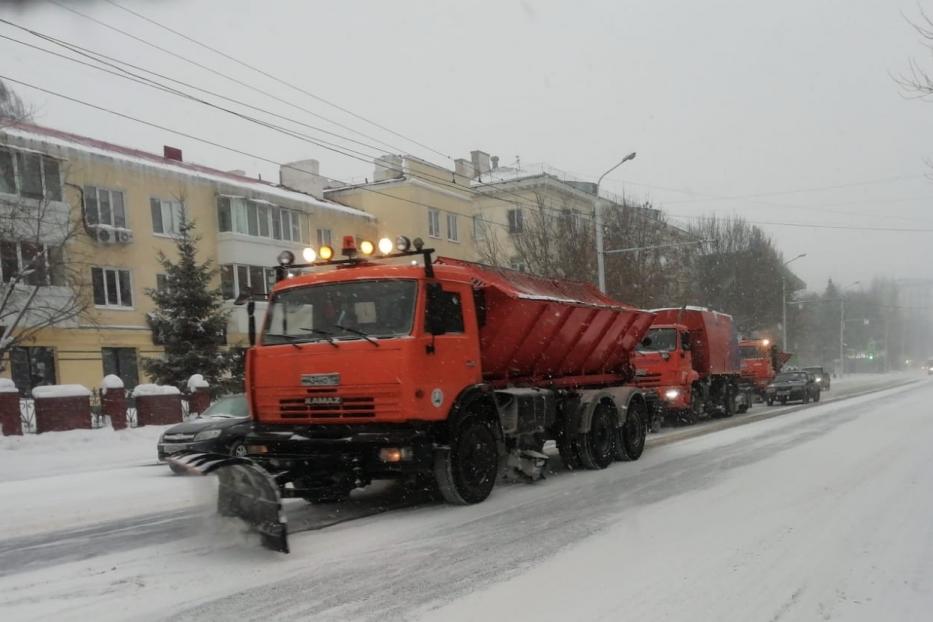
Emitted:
pixel 822 376
pixel 219 429
pixel 791 386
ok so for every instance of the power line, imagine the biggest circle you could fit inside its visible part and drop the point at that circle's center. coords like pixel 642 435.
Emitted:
pixel 219 73
pixel 231 149
pixel 818 226
pixel 367 158
pixel 277 79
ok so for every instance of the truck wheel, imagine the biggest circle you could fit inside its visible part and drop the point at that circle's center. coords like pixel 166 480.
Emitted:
pixel 728 409
pixel 631 436
pixel 466 473
pixel 597 446
pixel 568 450
pixel 770 401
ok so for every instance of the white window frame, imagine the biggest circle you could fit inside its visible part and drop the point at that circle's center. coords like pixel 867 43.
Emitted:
pixel 434 223
pixel 119 306
pixel 516 220
pixel 110 192
pixel 168 206
pixel 20 264
pixel 325 237
pixel 479 228
pixel 18 179
pixel 453 228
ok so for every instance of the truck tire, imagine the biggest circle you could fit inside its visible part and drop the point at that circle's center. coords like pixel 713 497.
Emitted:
pixel 728 408
pixel 770 401
pixel 630 442
pixel 466 473
pixel 597 447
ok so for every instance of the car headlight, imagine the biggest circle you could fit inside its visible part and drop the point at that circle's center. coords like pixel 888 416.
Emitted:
pixel 671 394
pixel 207 435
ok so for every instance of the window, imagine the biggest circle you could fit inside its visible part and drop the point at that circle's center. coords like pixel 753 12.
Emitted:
pixel 515 221
pixel 45 265
pixel 167 216
pixel 121 362
pixel 112 287
pixel 224 217
pixel 516 263
pixel 7 174
pixel 32 174
pixel 452 233
pixel 479 228
pixel 325 236
pixel 104 207
pixel 450 312
pixel 260 219
pixel 434 223
pixel 162 282
pixel 32 367
pixel 236 279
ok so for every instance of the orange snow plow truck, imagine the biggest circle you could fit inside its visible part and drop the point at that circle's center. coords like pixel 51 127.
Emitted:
pixel 690 358
pixel 761 362
pixel 388 364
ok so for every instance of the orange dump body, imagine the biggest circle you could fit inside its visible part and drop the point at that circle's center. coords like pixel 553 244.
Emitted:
pixel 546 331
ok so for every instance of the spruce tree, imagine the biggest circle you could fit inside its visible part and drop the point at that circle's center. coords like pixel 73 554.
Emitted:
pixel 189 320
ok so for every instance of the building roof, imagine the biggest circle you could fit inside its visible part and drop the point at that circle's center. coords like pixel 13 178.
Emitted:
pixel 94 146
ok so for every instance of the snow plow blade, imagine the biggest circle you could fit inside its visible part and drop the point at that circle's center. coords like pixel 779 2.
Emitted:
pixel 246 491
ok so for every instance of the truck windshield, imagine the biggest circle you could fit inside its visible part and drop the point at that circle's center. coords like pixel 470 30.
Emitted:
pixel 341 311
pixel 750 352
pixel 661 340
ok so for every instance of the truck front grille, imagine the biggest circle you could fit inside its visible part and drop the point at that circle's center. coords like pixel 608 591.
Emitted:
pixel 648 380
pixel 339 403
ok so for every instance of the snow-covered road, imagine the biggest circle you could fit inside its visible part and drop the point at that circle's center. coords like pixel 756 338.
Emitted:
pixel 823 513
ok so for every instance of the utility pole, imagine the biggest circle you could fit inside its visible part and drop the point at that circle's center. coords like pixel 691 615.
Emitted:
pixel 600 259
pixel 842 327
pixel 784 299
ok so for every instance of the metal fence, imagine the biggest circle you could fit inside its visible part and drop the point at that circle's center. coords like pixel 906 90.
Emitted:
pixel 27 412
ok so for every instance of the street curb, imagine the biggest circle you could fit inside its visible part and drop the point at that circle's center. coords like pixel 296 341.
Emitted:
pixel 733 422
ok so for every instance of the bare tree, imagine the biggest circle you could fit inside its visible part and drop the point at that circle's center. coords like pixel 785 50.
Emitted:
pixel 40 286
pixel 12 108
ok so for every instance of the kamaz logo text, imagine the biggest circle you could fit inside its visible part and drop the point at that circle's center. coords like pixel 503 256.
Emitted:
pixel 323 401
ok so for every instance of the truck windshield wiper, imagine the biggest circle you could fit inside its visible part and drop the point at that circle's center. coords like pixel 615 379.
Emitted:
pixel 289 339
pixel 326 334
pixel 358 332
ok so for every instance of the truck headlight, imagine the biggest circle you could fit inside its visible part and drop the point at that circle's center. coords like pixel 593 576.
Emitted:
pixel 207 435
pixel 671 394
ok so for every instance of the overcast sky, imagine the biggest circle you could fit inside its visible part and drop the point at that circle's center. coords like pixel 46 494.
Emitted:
pixel 790 101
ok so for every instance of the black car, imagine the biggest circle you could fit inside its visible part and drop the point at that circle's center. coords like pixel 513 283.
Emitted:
pixel 822 376
pixel 219 429
pixel 793 385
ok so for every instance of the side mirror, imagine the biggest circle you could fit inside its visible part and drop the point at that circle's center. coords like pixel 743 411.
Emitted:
pixel 434 309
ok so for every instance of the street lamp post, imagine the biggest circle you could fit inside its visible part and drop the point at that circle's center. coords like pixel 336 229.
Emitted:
pixel 600 259
pixel 842 327
pixel 784 299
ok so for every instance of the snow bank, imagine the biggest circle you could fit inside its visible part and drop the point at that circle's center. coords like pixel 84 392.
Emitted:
pixel 60 390
pixel 197 381
pixel 110 381
pixel 7 386
pixel 145 390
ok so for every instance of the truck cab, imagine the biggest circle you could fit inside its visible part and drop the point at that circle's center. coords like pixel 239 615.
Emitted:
pixel 664 363
pixel 761 361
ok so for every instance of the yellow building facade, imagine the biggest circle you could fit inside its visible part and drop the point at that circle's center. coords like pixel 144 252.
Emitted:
pixel 126 206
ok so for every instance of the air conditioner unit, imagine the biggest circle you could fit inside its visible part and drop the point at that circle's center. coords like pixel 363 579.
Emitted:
pixel 104 235
pixel 124 236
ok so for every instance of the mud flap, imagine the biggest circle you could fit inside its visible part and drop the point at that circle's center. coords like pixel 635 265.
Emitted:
pixel 246 491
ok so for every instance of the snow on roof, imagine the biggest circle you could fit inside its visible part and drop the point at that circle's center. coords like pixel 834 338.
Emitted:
pixel 93 146
pixel 60 390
